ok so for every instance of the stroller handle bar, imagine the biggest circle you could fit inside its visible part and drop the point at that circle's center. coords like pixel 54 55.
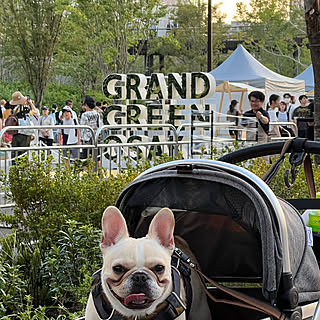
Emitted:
pixel 260 150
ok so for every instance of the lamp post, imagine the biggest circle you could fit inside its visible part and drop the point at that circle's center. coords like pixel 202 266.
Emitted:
pixel 209 36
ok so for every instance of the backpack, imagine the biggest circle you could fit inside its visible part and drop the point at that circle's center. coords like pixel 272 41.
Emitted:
pixel 12 120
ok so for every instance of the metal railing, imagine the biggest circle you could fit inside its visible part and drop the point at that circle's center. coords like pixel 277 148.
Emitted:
pixel 102 151
pixel 6 152
pixel 100 146
pixel 124 148
pixel 138 143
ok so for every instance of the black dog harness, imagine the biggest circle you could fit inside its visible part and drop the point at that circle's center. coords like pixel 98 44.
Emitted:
pixel 174 305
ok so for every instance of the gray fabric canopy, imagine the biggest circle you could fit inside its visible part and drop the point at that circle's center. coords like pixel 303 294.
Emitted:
pixel 229 224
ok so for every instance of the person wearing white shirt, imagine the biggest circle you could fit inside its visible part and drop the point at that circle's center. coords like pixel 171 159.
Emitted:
pixel 274 102
pixel 287 98
pixel 283 116
pixel 69 136
pixel 46 134
pixel 69 103
pixel 90 118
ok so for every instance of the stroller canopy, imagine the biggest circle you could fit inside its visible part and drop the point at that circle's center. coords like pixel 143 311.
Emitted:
pixel 234 224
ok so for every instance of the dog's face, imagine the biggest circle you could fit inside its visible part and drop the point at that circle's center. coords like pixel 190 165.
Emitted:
pixel 136 273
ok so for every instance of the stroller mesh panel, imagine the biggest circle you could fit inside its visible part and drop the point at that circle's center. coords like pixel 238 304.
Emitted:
pixel 212 225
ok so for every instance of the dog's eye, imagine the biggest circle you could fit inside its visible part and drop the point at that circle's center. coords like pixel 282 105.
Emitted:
pixel 118 269
pixel 158 268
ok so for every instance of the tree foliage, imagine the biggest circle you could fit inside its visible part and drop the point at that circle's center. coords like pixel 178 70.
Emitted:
pixel 275 33
pixel 30 31
pixel 105 36
pixel 185 46
pixel 82 40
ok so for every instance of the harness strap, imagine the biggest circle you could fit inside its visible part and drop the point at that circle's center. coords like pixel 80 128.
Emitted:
pixel 101 304
pixel 275 167
pixel 245 300
pixel 306 161
pixel 175 305
pixel 308 172
pixel 184 272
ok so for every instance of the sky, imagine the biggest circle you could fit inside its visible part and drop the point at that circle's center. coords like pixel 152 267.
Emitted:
pixel 229 7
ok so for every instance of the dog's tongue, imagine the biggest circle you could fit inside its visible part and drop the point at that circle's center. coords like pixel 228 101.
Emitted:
pixel 137 298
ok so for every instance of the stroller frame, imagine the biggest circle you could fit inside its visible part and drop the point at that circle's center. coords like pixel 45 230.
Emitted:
pixel 289 301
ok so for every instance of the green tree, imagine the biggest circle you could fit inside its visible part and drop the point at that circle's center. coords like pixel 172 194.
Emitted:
pixel 275 34
pixel 185 46
pixel 30 31
pixel 105 36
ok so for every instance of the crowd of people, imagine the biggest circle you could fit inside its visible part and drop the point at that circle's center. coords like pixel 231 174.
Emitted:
pixel 21 111
pixel 278 109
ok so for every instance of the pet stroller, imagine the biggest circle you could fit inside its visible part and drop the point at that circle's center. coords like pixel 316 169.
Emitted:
pixel 241 234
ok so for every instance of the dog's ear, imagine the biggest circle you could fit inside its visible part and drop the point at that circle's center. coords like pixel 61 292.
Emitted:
pixel 161 228
pixel 114 227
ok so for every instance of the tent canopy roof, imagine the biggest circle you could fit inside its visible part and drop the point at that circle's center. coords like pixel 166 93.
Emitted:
pixel 234 87
pixel 241 66
pixel 308 77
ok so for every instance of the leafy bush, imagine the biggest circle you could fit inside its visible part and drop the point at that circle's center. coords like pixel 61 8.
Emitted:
pixel 70 263
pixel 21 259
pixel 46 199
pixel 13 289
pixel 29 312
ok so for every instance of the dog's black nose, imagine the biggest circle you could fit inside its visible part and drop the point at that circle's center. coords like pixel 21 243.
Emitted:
pixel 139 277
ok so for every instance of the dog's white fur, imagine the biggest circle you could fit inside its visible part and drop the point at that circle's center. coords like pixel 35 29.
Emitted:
pixel 139 256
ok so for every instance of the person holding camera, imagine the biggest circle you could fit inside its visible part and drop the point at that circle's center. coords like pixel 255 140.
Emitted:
pixel 23 107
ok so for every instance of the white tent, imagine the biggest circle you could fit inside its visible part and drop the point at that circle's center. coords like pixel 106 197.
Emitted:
pixel 308 77
pixel 241 66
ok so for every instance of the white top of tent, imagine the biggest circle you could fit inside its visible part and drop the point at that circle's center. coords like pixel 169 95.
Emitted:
pixel 308 77
pixel 243 86
pixel 241 66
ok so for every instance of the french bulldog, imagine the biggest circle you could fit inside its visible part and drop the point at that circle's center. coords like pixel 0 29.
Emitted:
pixel 136 274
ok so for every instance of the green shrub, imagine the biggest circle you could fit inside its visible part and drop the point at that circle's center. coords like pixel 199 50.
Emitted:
pixel 46 199
pixel 13 288
pixel 29 312
pixel 70 263
pixel 21 259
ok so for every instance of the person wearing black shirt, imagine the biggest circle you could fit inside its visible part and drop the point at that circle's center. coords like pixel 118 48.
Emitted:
pixel 303 117
pixel 261 116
